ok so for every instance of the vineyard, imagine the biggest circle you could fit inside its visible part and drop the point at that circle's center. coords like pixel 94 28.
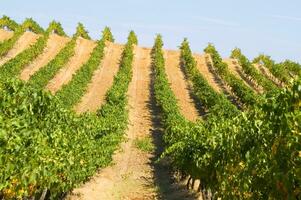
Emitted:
pixel 85 119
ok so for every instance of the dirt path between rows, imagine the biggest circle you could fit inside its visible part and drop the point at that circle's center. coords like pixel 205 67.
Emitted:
pixel 5 35
pixel 102 80
pixel 236 69
pixel 27 39
pixel 130 176
pixel 221 83
pixel 134 174
pixel 203 69
pixel 179 85
pixel 83 50
pixel 266 72
pixel 54 44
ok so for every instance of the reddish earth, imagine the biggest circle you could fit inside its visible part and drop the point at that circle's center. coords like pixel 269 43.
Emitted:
pixel 27 39
pixel 83 50
pixel 54 44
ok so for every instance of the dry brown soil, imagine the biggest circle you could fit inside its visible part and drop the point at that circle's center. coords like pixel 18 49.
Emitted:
pixel 134 174
pixel 266 72
pixel 5 35
pixel 54 44
pixel 203 69
pixel 102 80
pixel 221 83
pixel 83 50
pixel 236 69
pixel 131 175
pixel 180 85
pixel 27 39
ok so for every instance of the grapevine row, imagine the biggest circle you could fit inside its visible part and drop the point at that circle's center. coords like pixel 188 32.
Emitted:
pixel 56 28
pixel 253 155
pixel 217 104
pixel 15 65
pixel 46 73
pixel 6 22
pixel 245 94
pixel 175 125
pixel 114 112
pixel 293 68
pixel 70 93
pixel 55 150
pixel 28 24
pixel 251 71
pixel 277 70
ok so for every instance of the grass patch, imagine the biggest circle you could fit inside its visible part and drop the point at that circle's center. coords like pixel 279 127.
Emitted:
pixel 144 144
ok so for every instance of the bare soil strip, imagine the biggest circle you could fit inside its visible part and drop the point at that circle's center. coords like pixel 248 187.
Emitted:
pixel 235 69
pixel 5 35
pixel 27 39
pixel 266 72
pixel 83 50
pixel 135 175
pixel 131 176
pixel 54 44
pixel 102 80
pixel 203 69
pixel 180 85
pixel 222 84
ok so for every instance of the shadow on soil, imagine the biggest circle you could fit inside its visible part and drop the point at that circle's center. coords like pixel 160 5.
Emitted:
pixel 198 105
pixel 222 85
pixel 244 77
pixel 168 188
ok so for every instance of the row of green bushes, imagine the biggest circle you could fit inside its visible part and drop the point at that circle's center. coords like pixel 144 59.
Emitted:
pixel 252 72
pixel 71 93
pixel 13 67
pixel 28 24
pixel 46 150
pixel 253 155
pixel 216 103
pixel 41 78
pixel 293 68
pixel 277 70
pixel 245 94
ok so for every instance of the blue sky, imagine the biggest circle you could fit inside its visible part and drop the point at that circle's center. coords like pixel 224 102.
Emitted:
pixel 255 26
